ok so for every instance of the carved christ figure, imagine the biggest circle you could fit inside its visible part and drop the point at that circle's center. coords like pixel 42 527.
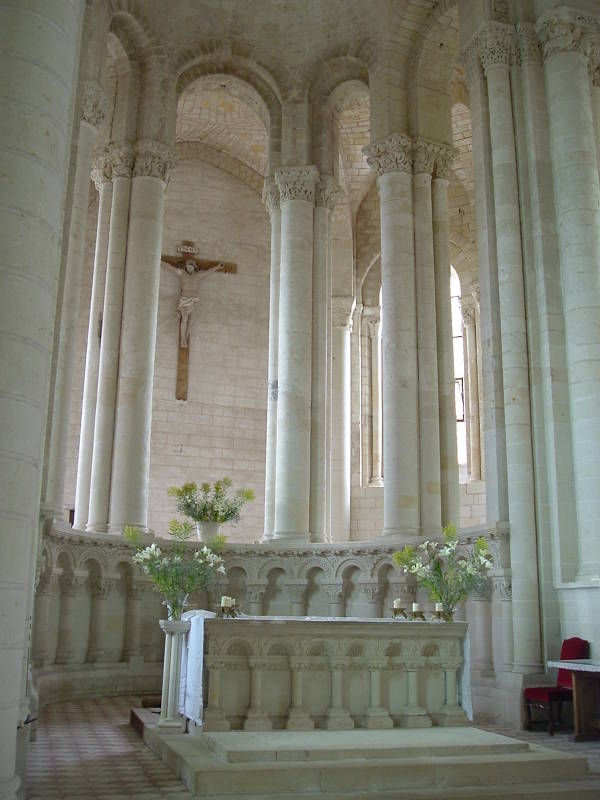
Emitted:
pixel 184 309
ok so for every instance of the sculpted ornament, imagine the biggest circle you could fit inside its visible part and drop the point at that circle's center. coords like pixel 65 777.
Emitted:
pixel 467 307
pixel 341 312
pixel 495 46
pixel 528 44
pixel 120 156
pixel 93 104
pixel 566 29
pixel 328 193
pixel 425 154
pixel 392 154
pixel 153 160
pixel 270 196
pixel 371 319
pixel 297 183
pixel 445 159
pixel 101 169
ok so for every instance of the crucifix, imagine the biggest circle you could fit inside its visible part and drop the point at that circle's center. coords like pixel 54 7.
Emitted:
pixel 195 269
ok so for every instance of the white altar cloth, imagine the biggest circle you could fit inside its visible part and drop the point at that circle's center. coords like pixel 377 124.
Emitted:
pixel 191 687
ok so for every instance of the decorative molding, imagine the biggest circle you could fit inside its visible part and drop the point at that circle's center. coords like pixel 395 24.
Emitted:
pixel 120 158
pixel 471 63
pixel 424 156
pixel 342 309
pixel 527 44
pixel 297 183
pixel 392 154
pixel 101 168
pixel 153 160
pixel 371 320
pixel 445 159
pixel 565 29
pixel 467 308
pixel 93 104
pixel 328 193
pixel 495 45
pixel 502 587
pixel 270 196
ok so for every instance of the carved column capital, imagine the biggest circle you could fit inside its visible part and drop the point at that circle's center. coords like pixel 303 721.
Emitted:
pixel 46 582
pixel 502 587
pixel 444 160
pixel 371 319
pixel 297 183
pixel 527 44
pixel 103 588
pixel 138 589
pixel 328 193
pixel 93 103
pixel 567 30
pixel 342 309
pixel 101 168
pixel 495 45
pixel 270 196
pixel 467 308
pixel 371 590
pixel 255 592
pixel 424 156
pixel 296 591
pixel 392 154
pixel 71 584
pixel 471 63
pixel 335 591
pixel 154 160
pixel 119 159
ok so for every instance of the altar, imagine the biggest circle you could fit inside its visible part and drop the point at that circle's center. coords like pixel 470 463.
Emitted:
pixel 298 674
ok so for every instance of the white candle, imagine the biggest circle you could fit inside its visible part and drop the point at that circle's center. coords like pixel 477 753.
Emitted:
pixel 415 606
pixel 397 603
pixel 225 601
pixel 439 607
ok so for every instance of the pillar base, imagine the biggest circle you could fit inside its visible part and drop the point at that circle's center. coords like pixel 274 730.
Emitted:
pixel 215 720
pixel 378 719
pixel 338 719
pixel 415 717
pixel 290 537
pixel 299 720
pixel 451 716
pixel 171 725
pixel 257 720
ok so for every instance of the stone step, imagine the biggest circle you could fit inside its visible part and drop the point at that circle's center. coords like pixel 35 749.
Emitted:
pixel 237 747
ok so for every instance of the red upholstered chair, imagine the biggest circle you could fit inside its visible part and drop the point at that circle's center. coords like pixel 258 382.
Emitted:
pixel 547 696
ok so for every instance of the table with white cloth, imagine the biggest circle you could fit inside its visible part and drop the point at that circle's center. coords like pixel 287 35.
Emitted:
pixel 263 673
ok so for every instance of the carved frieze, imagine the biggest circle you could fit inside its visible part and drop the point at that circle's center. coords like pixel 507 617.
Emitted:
pixel 527 44
pixel 270 196
pixel 495 45
pixel 297 183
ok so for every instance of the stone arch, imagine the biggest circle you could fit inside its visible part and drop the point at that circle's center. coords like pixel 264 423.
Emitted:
pixel 379 564
pixel 219 58
pixel 430 650
pixel 430 72
pixel 334 78
pixel 355 650
pixel 238 647
pixel 280 647
pixel 352 561
pixel 312 563
pixel 316 647
pixel 95 555
pixel 271 564
pixel 66 559
pixel 237 562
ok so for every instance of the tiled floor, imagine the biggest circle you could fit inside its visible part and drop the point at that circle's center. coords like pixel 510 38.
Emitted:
pixel 86 750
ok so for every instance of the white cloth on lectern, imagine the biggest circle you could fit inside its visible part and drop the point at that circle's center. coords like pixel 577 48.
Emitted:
pixel 190 687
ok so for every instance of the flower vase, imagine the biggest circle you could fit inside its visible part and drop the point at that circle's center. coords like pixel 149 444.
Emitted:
pixel 176 606
pixel 207 531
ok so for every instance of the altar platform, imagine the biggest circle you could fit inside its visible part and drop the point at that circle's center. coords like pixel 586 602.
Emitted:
pixel 456 763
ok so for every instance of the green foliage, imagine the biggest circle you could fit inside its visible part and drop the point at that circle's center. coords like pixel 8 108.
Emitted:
pixel 448 576
pixel 206 503
pixel 131 534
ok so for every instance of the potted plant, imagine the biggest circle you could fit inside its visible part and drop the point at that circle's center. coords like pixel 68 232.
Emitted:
pixel 210 505
pixel 448 576
pixel 179 570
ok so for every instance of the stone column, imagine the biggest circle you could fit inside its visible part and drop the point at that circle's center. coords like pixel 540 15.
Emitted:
pixel 472 400
pixel 38 60
pixel 214 719
pixel 93 103
pixel 441 244
pixel 255 595
pixel 577 200
pixel 337 717
pixel 495 52
pixel 376 717
pixel 120 157
pixel 494 436
pixel 480 624
pixel 70 589
pixel 271 201
pixel 341 317
pixel 97 648
pixel 170 718
pixel 40 645
pixel 502 623
pixel 298 719
pixel 372 593
pixel 297 594
pixel 101 175
pixel 391 159
pixel 326 195
pixel 256 717
pixel 136 592
pixel 131 456
pixel 413 715
pixel 292 484
pixel 451 713
pixel 429 400
pixel 372 321
pixel 336 597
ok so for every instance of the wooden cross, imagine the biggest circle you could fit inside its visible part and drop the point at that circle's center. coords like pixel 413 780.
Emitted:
pixel 189 265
